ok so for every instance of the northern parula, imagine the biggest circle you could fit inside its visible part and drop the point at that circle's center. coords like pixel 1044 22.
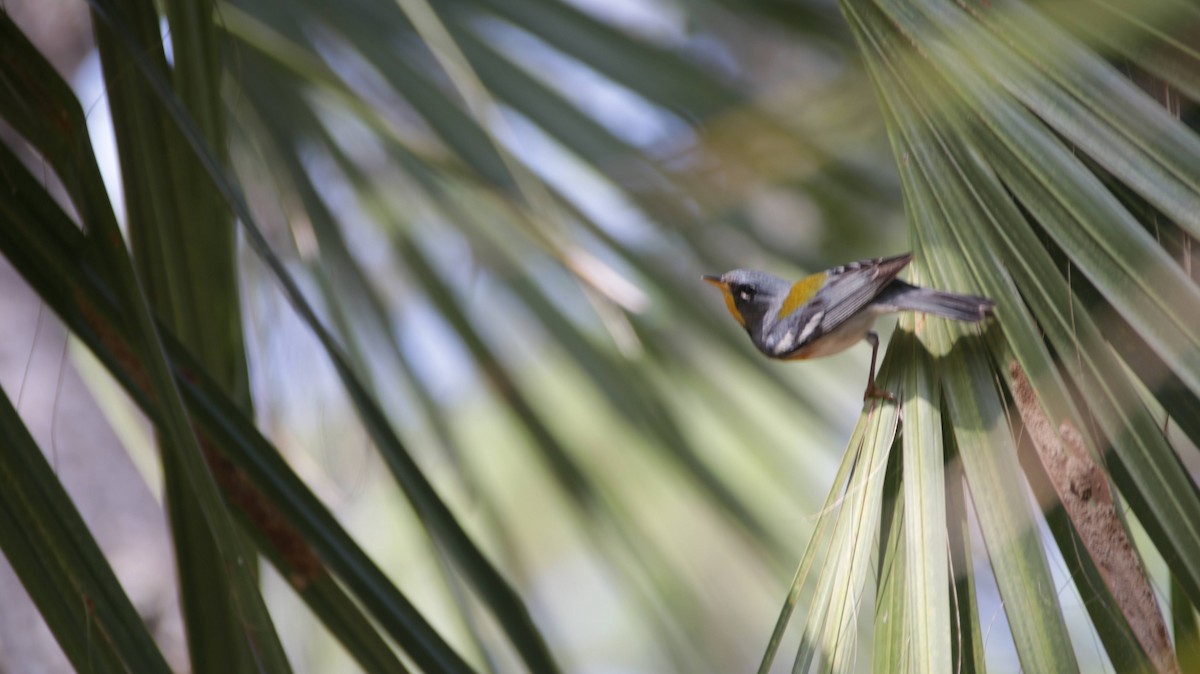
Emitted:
pixel 830 311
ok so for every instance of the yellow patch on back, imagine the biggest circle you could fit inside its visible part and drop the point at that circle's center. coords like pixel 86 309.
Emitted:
pixel 802 291
pixel 729 304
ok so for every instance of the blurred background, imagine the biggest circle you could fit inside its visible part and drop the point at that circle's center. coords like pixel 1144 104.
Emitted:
pixel 499 210
pixel 517 274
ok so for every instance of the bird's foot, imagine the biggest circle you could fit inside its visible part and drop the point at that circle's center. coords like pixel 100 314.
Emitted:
pixel 873 392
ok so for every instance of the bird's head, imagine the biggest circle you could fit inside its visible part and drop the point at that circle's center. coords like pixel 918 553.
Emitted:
pixel 751 296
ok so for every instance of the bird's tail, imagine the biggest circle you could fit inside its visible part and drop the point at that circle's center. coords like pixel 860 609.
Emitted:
pixel 906 297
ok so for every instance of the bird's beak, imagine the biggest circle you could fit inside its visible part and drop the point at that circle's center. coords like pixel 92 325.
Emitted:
pixel 725 291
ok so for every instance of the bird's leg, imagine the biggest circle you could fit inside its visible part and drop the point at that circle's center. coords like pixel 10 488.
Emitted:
pixel 874 391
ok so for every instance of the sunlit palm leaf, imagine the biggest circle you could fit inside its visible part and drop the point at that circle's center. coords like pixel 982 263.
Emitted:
pixel 957 135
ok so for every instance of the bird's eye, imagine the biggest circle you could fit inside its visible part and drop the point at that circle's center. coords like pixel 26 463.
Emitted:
pixel 745 293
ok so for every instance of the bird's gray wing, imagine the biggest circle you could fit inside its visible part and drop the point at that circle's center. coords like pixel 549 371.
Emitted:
pixel 846 290
pixel 851 287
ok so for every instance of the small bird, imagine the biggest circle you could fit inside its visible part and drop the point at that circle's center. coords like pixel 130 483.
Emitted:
pixel 830 311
